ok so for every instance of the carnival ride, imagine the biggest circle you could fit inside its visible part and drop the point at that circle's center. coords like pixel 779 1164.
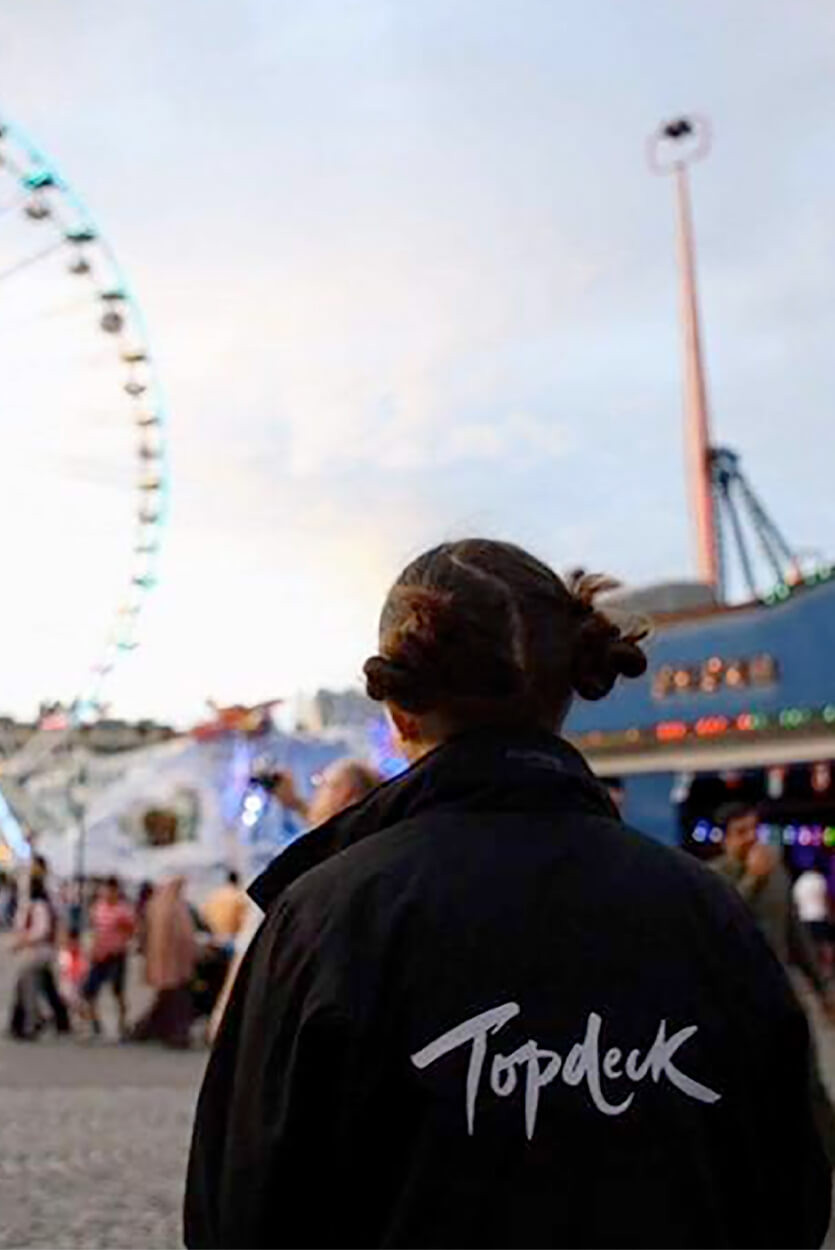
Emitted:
pixel 61 284
pixel 737 541
pixel 741 682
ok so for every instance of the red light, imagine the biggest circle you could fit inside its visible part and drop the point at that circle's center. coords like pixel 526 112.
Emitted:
pixel 671 731
pixel 711 726
pixel 746 722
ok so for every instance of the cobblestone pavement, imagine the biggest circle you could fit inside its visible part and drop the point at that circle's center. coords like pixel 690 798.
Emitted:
pixel 93 1141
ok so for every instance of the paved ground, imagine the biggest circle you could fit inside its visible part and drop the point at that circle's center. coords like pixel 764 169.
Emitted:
pixel 93 1140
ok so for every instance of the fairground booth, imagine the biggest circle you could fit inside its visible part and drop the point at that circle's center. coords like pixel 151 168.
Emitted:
pixel 738 704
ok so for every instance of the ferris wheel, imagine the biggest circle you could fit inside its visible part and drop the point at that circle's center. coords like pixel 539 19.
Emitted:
pixel 61 285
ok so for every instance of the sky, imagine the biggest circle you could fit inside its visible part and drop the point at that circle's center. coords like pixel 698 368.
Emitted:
pixel 407 277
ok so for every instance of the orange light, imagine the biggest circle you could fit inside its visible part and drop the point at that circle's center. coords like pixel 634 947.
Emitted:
pixel 671 731
pixel 711 726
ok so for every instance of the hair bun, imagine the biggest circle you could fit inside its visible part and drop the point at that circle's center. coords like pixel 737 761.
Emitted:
pixel 603 654
pixel 387 680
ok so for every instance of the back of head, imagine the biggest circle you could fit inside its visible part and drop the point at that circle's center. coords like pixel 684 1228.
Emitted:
pixel 482 632
pixel 343 783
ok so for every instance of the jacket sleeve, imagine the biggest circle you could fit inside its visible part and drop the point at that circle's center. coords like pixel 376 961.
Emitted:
pixel 271 1105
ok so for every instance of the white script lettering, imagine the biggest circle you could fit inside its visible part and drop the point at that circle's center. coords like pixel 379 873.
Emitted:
pixel 542 1066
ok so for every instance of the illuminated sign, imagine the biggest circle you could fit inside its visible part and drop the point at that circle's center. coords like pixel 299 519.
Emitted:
pixel 714 675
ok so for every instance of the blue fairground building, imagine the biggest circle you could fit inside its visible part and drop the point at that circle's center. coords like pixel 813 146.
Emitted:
pixel 738 704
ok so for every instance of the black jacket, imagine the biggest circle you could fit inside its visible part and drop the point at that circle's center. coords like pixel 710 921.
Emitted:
pixel 482 1012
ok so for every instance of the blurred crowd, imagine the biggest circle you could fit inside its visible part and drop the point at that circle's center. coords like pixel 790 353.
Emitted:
pixel 147 946
pixel 81 940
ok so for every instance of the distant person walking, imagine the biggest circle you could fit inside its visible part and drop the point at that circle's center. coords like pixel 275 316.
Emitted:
pixel 36 931
pixel 170 958
pixel 113 923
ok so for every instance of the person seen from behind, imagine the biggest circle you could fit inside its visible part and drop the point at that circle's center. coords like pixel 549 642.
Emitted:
pixel 224 911
pixel 170 959
pixel 489 1013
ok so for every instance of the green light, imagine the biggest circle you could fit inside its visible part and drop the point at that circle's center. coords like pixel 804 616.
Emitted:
pixel 38 179
pixel 829 713
pixel 794 717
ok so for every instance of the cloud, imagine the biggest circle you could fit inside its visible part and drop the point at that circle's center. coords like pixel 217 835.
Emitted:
pixel 406 278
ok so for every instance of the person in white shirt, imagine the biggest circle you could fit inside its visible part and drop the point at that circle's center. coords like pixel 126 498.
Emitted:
pixel 34 944
pixel 811 899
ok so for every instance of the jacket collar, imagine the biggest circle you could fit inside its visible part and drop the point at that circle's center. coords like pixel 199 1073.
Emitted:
pixel 487 770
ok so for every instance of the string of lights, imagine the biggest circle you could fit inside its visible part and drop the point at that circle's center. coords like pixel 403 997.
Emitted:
pixel 743 724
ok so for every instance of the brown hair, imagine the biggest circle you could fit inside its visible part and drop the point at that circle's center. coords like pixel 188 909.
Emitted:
pixel 483 631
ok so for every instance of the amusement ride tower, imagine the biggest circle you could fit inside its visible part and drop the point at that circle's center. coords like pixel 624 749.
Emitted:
pixel 728 517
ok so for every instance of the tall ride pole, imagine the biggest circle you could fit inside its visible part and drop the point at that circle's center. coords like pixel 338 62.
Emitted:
pixel 673 147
